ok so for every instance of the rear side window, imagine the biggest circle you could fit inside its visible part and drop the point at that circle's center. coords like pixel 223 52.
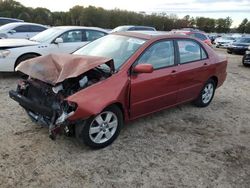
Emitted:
pixel 36 28
pixel 160 54
pixel 93 35
pixel 190 51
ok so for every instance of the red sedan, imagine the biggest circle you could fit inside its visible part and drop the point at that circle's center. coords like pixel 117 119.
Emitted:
pixel 115 79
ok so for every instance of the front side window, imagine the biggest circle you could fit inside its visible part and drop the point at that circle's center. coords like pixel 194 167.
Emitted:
pixel 73 36
pixel 160 54
pixel 190 51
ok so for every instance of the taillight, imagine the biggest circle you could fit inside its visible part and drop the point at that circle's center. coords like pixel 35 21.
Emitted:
pixel 208 42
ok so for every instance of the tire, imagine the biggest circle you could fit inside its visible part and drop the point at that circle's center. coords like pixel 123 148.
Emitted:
pixel 103 133
pixel 25 57
pixel 243 59
pixel 206 94
pixel 229 52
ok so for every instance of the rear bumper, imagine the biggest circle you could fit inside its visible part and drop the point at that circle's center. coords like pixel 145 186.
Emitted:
pixel 30 105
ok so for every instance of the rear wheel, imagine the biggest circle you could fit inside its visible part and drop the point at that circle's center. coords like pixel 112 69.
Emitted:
pixel 229 52
pixel 101 130
pixel 206 95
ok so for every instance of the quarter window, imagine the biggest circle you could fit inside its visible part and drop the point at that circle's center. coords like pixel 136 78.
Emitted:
pixel 159 55
pixel 93 35
pixel 190 51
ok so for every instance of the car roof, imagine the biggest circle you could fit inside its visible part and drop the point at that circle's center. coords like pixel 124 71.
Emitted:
pixel 80 27
pixel 13 19
pixel 147 35
pixel 14 24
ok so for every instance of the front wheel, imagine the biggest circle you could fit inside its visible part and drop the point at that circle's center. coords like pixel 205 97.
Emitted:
pixel 101 130
pixel 206 95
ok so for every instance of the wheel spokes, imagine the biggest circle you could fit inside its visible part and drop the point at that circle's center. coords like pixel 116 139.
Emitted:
pixel 108 117
pixel 98 137
pixel 108 134
pixel 99 120
pixel 113 124
pixel 94 130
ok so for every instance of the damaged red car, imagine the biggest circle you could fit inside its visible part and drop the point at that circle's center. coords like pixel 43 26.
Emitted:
pixel 115 79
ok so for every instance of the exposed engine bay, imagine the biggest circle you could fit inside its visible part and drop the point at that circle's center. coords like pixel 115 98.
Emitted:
pixel 45 102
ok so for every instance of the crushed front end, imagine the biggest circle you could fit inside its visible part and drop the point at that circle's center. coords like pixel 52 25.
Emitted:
pixel 44 106
pixel 51 80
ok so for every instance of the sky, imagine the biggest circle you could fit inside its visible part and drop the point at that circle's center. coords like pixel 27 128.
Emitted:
pixel 236 9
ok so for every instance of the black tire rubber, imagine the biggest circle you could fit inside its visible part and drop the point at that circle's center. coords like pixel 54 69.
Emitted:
pixel 82 130
pixel 243 59
pixel 229 52
pixel 198 102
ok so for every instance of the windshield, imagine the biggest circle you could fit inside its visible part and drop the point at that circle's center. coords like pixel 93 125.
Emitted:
pixel 243 40
pixel 117 47
pixel 46 35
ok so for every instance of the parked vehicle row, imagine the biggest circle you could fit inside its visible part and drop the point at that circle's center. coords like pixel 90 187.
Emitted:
pixel 4 20
pixel 239 46
pixel 63 39
pixel 223 42
pixel 115 79
pixel 21 30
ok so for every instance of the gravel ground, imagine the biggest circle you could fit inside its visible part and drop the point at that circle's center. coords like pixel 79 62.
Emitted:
pixel 181 147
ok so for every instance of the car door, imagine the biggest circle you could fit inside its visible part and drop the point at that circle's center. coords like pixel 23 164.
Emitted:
pixel 71 41
pixel 157 90
pixel 193 69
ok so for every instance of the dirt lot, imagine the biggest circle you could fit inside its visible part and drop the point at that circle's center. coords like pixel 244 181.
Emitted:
pixel 181 147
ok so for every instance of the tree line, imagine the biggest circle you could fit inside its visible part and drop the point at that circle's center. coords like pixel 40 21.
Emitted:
pixel 99 17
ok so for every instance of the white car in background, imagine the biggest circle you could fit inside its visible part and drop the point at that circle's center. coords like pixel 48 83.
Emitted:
pixel 223 42
pixel 63 39
pixel 21 30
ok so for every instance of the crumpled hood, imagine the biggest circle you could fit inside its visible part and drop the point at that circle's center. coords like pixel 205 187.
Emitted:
pixel 55 68
pixel 11 43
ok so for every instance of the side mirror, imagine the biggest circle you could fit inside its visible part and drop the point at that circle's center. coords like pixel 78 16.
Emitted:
pixel 143 68
pixel 58 40
pixel 12 31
